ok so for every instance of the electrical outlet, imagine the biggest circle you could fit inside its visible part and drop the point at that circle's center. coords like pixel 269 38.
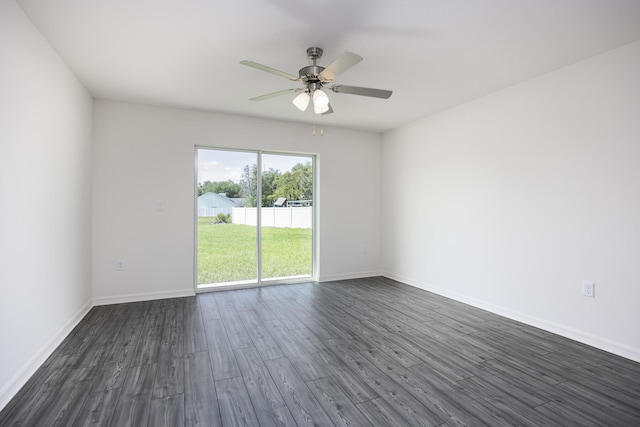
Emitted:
pixel 159 205
pixel 589 289
pixel 120 264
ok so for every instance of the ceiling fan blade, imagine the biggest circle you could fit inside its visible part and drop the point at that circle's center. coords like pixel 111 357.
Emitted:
pixel 274 94
pixel 340 65
pixel 364 91
pixel 329 111
pixel 270 70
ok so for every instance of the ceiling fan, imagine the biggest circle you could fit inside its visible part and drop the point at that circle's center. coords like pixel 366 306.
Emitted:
pixel 314 78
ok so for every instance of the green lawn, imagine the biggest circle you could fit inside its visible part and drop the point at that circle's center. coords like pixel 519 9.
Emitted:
pixel 227 252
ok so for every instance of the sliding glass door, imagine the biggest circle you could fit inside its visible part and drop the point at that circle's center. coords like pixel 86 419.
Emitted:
pixel 287 217
pixel 255 217
pixel 226 253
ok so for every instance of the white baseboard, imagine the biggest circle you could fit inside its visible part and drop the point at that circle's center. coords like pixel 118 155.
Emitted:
pixel 556 328
pixel 11 388
pixel 121 299
pixel 359 275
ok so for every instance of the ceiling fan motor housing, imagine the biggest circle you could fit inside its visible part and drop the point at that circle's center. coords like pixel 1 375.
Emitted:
pixel 310 74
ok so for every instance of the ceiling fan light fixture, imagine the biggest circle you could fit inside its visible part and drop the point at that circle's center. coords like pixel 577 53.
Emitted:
pixel 320 99
pixel 320 110
pixel 314 78
pixel 302 101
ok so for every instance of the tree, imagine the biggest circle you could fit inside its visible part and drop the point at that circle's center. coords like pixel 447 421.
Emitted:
pixel 269 182
pixel 228 188
pixel 249 185
pixel 296 184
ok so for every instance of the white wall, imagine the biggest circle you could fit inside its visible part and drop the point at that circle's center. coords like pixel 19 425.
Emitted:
pixel 45 200
pixel 513 200
pixel 143 154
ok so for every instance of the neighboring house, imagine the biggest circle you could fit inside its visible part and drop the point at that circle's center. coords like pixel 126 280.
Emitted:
pixel 239 201
pixel 211 204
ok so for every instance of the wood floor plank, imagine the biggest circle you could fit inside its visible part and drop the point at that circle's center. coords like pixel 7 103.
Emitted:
pixel 285 315
pixel 260 336
pixel 225 300
pixel 518 390
pixel 324 328
pixel 380 413
pixel 560 413
pixel 346 305
pixel 534 367
pixel 268 404
pixel 348 380
pixel 172 336
pixel 618 389
pixel 471 347
pixel 302 404
pixel 336 404
pixel 338 324
pixel 194 336
pixel 148 349
pixel 438 395
pixel 503 406
pixel 518 339
pixel 586 373
pixel 39 394
pixel 208 306
pixel 242 299
pixel 261 308
pixel 84 334
pixel 102 344
pixel 68 401
pixel 120 357
pixel 390 347
pixel 407 405
pixel 223 361
pixel 435 354
pixel 235 405
pixel 97 409
pixel 605 363
pixel 300 357
pixel 236 331
pixel 134 402
pixel 167 411
pixel 169 378
pixel 531 383
pixel 601 407
pixel 200 401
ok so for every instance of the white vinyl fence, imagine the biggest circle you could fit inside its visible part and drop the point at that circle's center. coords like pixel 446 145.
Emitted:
pixel 203 211
pixel 286 217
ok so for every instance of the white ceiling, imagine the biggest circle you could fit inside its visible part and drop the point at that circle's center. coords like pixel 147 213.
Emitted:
pixel 433 54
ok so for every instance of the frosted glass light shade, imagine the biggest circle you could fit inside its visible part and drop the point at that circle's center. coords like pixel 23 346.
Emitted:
pixel 302 101
pixel 320 99
pixel 320 110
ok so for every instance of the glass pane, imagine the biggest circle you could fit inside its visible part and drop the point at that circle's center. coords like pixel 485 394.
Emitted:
pixel 227 246
pixel 287 216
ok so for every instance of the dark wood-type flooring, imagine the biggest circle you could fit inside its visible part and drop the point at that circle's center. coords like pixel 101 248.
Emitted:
pixel 365 352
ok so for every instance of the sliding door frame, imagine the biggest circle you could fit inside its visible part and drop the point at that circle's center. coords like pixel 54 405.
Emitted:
pixel 314 221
